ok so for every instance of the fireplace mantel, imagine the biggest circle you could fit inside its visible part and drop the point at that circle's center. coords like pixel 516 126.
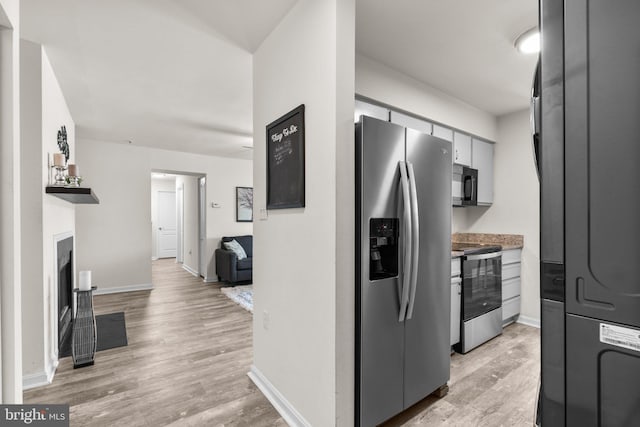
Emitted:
pixel 78 195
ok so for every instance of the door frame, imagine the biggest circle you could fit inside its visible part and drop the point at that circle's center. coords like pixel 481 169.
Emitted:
pixel 180 223
pixel 202 225
pixel 202 219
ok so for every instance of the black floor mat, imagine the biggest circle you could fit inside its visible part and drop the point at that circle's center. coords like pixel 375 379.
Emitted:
pixel 111 330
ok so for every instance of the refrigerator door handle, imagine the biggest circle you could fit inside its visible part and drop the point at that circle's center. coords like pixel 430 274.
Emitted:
pixel 407 236
pixel 415 239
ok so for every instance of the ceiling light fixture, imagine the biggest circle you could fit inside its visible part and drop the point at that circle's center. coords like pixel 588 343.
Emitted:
pixel 529 41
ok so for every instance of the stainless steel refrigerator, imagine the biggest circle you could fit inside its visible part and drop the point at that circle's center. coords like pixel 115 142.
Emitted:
pixel 587 144
pixel 403 263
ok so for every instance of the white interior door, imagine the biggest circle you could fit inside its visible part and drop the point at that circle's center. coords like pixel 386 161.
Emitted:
pixel 166 231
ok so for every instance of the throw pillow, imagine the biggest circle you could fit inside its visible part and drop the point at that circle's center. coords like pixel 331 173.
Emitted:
pixel 237 248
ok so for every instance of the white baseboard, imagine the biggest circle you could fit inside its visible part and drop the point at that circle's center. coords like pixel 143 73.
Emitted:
pixel 128 288
pixel 190 270
pixel 279 402
pixel 529 321
pixel 213 279
pixel 40 379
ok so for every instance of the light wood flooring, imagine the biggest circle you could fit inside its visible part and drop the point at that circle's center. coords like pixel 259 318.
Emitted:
pixel 186 363
pixel 190 350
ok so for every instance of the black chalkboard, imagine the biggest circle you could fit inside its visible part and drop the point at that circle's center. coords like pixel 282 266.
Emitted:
pixel 285 161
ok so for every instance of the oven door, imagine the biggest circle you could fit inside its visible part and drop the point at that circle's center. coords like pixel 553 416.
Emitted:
pixel 481 284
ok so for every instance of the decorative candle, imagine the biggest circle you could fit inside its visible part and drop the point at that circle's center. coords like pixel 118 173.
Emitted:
pixel 73 170
pixel 85 280
pixel 58 159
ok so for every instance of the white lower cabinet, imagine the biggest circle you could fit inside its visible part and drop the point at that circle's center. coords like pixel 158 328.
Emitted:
pixel 511 268
pixel 456 294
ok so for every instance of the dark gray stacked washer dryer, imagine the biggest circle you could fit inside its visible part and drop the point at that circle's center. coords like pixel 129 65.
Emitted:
pixel 588 155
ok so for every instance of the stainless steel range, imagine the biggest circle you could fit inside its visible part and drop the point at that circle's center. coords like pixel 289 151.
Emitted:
pixel 481 313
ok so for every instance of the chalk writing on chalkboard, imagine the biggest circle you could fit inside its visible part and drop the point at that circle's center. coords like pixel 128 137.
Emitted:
pixel 285 161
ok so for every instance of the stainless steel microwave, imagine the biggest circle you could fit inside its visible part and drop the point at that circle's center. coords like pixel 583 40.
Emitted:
pixel 465 186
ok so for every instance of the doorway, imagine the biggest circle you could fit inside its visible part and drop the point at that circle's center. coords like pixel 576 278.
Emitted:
pixel 178 216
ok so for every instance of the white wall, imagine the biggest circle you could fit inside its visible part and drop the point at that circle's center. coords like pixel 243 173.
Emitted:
pixel 113 237
pixel 297 351
pixel 58 216
pixel 158 184
pixel 10 210
pixel 190 217
pixel 44 111
pixel 33 289
pixel 515 208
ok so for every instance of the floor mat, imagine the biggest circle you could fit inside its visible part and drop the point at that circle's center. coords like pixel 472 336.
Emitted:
pixel 111 330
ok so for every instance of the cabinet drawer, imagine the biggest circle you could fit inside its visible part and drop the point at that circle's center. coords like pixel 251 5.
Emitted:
pixel 510 308
pixel 510 288
pixel 510 271
pixel 511 256
pixel 455 267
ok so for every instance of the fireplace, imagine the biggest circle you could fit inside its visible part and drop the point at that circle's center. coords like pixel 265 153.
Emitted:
pixel 65 289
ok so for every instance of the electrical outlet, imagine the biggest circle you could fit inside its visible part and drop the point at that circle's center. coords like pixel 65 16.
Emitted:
pixel 266 320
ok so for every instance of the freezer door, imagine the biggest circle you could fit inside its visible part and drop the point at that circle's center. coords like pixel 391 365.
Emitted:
pixel 379 334
pixel 427 333
pixel 602 152
pixel 603 373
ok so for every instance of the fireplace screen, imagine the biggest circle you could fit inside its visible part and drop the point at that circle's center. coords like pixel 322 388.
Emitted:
pixel 65 288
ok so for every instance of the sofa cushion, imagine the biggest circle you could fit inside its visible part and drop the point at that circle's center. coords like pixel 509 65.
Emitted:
pixel 245 264
pixel 245 241
pixel 234 246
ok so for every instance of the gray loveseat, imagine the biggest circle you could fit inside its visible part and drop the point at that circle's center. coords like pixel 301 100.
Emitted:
pixel 228 267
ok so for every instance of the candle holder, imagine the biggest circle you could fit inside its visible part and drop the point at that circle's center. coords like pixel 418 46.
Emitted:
pixel 73 181
pixel 60 179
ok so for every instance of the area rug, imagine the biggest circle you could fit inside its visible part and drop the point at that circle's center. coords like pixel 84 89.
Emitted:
pixel 241 295
pixel 111 330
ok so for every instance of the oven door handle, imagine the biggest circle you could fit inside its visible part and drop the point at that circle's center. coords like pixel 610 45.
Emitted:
pixel 407 237
pixel 483 256
pixel 415 239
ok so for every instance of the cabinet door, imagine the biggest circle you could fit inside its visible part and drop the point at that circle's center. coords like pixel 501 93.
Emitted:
pixel 482 156
pixel 411 122
pixel 366 109
pixel 443 132
pixel 461 149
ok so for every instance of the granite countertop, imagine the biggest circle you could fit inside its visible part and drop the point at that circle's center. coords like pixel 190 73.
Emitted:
pixel 507 241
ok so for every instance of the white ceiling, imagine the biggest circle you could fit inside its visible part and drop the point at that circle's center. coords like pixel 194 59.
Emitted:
pixel 176 74
pixel 172 74
pixel 462 47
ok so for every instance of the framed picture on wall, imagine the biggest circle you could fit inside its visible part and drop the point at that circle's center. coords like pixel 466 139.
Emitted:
pixel 244 204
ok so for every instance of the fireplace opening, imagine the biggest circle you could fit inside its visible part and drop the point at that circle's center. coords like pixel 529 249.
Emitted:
pixel 65 290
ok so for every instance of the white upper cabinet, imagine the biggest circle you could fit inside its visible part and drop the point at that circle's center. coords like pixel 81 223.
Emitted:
pixel 443 132
pixel 366 109
pixel 411 122
pixel 461 149
pixel 482 155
